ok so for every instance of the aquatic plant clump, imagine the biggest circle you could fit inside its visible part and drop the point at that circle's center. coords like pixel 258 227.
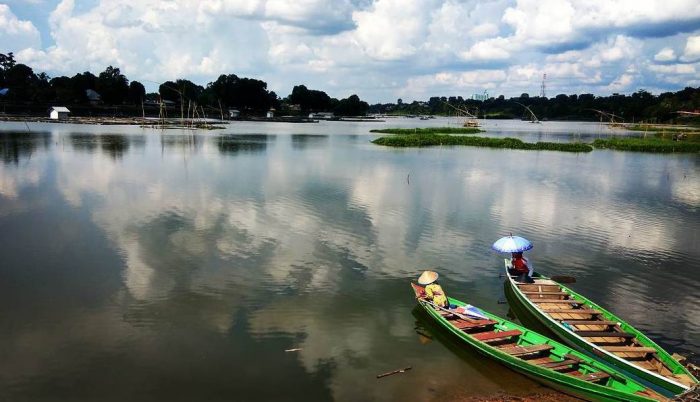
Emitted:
pixel 428 130
pixel 658 145
pixel 426 140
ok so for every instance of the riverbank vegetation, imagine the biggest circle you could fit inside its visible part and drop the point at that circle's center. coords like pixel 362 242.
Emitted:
pixel 639 106
pixel 428 130
pixel 425 140
pixel 111 93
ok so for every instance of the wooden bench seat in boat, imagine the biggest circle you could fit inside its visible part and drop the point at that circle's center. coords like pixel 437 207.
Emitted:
pixel 573 311
pixel 462 324
pixel 629 349
pixel 588 322
pixel 491 335
pixel 568 360
pixel 595 376
pixel 556 301
pixel 546 293
pixel 526 350
pixel 604 334
pixel 560 365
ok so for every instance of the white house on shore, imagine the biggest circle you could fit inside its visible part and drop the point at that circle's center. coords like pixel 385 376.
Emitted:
pixel 58 113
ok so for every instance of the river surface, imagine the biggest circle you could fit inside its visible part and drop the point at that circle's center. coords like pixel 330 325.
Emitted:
pixel 140 264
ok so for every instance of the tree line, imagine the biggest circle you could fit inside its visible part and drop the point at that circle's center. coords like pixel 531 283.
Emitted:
pixel 20 85
pixel 637 107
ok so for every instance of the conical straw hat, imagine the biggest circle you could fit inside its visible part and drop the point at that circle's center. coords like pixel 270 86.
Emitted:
pixel 427 277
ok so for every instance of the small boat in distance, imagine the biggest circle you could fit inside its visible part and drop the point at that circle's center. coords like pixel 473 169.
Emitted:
pixel 534 355
pixel 586 326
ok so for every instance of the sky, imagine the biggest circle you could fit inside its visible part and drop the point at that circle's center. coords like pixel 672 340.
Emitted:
pixel 381 50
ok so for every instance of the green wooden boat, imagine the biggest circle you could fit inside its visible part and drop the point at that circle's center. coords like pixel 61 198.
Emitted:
pixel 590 328
pixel 534 355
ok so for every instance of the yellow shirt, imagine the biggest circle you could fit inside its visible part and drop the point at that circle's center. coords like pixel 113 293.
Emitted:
pixel 435 293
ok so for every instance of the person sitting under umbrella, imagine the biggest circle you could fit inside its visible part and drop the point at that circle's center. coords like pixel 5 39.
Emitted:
pixel 520 266
pixel 433 291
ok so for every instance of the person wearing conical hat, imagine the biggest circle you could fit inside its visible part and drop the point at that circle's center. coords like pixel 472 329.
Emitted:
pixel 433 291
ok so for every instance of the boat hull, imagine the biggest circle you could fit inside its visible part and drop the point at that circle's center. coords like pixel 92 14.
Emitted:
pixel 661 384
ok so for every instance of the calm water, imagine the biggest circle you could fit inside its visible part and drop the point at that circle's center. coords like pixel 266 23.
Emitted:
pixel 140 265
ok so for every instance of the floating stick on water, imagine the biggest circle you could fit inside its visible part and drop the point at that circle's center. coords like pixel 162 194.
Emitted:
pixel 403 370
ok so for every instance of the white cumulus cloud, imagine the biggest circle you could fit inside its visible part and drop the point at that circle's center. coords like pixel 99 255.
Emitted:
pixel 379 49
pixel 692 49
pixel 665 54
pixel 16 34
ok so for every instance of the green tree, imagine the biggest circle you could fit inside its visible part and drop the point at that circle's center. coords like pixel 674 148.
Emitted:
pixel 351 106
pixel 81 83
pixel 113 86
pixel 137 92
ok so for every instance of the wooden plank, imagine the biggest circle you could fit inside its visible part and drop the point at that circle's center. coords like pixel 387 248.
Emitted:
pixel 572 357
pixel 629 349
pixel 545 293
pixel 462 324
pixel 560 364
pixel 589 322
pixel 526 350
pixel 605 334
pixel 573 311
pixel 595 376
pixel 556 301
pixel 491 335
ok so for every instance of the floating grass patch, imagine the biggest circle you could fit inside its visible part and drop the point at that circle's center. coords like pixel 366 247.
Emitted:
pixel 426 140
pixel 664 129
pixel 650 144
pixel 428 130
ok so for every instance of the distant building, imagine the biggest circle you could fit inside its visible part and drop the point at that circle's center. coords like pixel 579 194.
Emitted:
pixel 93 97
pixel 270 114
pixel 58 113
pixel 234 113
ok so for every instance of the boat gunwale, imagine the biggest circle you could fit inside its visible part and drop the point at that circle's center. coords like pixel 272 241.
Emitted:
pixel 664 356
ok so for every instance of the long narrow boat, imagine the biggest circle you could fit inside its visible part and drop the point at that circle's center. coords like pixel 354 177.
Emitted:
pixel 534 355
pixel 588 327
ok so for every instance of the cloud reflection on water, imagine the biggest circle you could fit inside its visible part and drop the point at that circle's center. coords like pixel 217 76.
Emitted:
pixel 268 233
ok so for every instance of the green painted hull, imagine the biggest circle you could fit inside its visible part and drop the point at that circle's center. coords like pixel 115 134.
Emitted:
pixel 661 384
pixel 617 388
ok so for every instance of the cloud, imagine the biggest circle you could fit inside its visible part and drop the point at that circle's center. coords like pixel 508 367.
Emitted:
pixel 379 49
pixel 622 82
pixel 665 54
pixel 150 40
pixel 16 34
pixel 565 25
pixel 393 29
pixel 692 49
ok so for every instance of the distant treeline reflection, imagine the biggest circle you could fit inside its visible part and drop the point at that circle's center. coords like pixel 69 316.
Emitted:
pixel 15 146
